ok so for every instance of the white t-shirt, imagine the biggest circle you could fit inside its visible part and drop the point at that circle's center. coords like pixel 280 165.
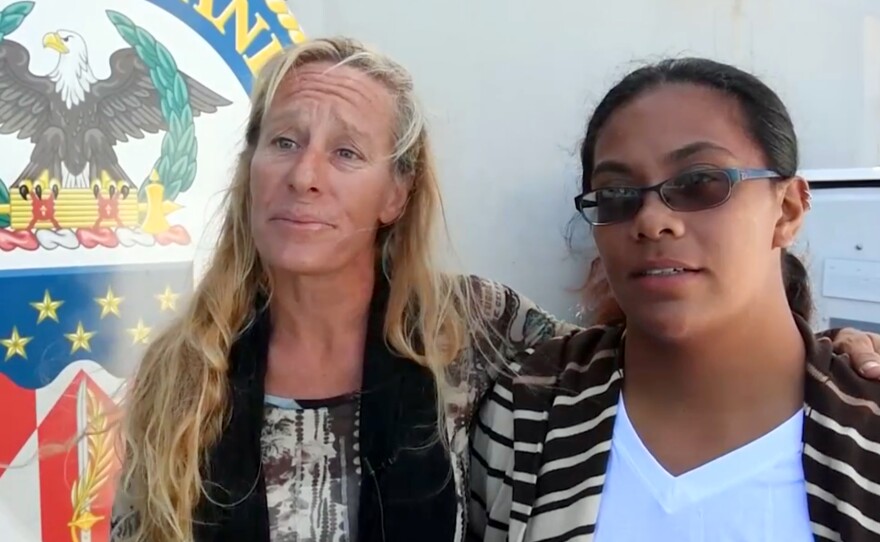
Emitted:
pixel 756 493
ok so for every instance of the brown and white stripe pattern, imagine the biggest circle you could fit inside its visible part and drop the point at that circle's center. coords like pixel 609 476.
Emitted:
pixel 540 452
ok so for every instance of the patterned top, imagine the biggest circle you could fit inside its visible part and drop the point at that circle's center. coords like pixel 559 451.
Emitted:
pixel 515 322
pixel 312 469
pixel 543 439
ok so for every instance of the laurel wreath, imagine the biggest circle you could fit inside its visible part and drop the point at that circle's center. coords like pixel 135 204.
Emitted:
pixel 100 466
pixel 176 166
pixel 11 18
pixel 287 20
pixel 5 218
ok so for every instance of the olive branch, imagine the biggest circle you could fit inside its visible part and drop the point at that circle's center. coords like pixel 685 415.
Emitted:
pixel 176 166
pixel 11 18
pixel 100 465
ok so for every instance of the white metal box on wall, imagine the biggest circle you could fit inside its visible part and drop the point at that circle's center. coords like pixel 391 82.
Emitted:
pixel 840 243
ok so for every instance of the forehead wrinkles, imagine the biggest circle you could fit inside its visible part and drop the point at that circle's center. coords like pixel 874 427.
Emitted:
pixel 368 102
pixel 356 89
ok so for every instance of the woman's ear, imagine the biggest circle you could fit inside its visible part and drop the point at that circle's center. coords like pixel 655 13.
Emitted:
pixel 794 201
pixel 397 200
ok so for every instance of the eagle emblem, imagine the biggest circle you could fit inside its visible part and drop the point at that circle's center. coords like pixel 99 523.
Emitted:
pixel 72 191
pixel 119 122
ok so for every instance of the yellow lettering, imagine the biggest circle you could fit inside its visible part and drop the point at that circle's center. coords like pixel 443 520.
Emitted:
pixel 257 60
pixel 244 36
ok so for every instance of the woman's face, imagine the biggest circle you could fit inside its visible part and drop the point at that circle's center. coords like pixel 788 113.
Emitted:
pixel 678 273
pixel 322 179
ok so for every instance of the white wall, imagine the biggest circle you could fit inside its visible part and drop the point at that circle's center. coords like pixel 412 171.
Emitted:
pixel 509 84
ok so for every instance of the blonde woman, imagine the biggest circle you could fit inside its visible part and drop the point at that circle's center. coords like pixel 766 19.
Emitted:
pixel 297 399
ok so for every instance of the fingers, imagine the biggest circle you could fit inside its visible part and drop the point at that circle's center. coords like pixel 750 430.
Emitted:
pixel 868 365
pixel 862 351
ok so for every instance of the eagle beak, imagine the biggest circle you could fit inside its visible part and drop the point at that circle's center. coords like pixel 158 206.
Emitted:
pixel 53 40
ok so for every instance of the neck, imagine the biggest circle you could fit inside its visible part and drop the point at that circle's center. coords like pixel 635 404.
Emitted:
pixel 742 374
pixel 696 399
pixel 320 309
pixel 757 357
pixel 319 326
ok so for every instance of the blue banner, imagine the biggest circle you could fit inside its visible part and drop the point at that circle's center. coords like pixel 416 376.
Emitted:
pixel 52 317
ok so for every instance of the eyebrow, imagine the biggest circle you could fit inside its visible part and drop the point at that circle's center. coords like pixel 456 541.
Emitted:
pixel 299 116
pixel 611 166
pixel 349 127
pixel 691 149
pixel 678 155
pixel 285 118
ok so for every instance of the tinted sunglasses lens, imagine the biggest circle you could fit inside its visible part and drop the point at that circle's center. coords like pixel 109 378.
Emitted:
pixel 610 205
pixel 697 190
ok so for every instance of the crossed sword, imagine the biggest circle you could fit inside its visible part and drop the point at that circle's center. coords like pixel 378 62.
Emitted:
pixel 82 425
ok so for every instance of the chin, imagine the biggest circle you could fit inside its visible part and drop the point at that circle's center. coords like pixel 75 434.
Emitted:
pixel 316 259
pixel 670 323
pixel 304 263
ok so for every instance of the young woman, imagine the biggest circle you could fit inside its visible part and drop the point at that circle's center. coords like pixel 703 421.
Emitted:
pixel 710 413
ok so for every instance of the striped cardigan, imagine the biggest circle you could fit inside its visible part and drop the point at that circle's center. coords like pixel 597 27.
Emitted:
pixel 542 441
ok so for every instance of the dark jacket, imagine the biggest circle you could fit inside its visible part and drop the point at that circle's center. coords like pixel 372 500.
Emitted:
pixel 407 490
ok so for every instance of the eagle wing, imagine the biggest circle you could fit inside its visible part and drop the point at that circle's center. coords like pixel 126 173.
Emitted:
pixel 25 108
pixel 127 103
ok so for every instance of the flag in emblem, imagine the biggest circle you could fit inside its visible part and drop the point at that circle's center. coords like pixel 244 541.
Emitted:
pixel 123 124
pixel 68 339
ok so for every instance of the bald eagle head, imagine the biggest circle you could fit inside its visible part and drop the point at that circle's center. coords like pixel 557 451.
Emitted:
pixel 72 75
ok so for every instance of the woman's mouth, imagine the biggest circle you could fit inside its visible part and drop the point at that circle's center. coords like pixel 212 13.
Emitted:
pixel 665 272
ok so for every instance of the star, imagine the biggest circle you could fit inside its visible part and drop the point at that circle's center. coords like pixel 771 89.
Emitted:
pixel 139 333
pixel 15 345
pixel 109 304
pixel 168 299
pixel 48 307
pixel 80 339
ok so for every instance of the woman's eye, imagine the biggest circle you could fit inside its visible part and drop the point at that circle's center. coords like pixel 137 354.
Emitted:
pixel 347 154
pixel 617 192
pixel 285 143
pixel 698 178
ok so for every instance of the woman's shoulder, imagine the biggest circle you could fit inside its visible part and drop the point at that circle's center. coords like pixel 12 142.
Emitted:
pixel 513 317
pixel 842 440
pixel 587 351
pixel 503 324
pixel 835 391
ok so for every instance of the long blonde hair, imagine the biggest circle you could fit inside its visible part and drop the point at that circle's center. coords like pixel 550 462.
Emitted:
pixel 177 404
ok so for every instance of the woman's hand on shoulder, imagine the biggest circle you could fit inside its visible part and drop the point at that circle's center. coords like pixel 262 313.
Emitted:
pixel 863 350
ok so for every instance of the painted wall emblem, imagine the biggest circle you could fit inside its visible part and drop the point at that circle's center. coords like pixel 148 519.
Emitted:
pixel 119 122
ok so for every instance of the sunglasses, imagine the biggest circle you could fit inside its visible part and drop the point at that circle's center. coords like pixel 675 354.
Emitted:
pixel 696 190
